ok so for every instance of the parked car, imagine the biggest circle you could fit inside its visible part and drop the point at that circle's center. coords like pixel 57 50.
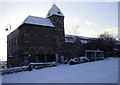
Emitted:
pixel 66 61
pixel 73 61
pixel 30 67
pixel 83 59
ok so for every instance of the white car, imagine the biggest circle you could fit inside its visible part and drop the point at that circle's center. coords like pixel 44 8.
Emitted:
pixel 73 61
pixel 83 59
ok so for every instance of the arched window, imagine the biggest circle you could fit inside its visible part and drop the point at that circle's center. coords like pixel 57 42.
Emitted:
pixel 14 41
pixel 41 53
pixel 11 43
pixel 32 55
pixel 50 50
pixel 17 40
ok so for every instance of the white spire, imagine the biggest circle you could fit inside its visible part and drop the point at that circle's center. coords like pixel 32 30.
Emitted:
pixel 54 11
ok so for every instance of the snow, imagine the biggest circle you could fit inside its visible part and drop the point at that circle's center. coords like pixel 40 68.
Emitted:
pixel 83 41
pixel 3 63
pixel 13 69
pixel 82 58
pixel 38 21
pixel 72 38
pixel 54 11
pixel 104 71
pixel 82 37
pixel 0 80
pixel 44 63
pixel 94 51
pixel 69 40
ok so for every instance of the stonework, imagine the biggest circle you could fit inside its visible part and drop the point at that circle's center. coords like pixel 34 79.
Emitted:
pixel 42 40
pixel 36 42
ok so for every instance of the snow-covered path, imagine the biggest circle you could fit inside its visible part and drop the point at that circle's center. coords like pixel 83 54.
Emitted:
pixel 104 71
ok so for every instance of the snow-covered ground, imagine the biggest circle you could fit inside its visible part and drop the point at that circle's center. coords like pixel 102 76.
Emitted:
pixel 104 71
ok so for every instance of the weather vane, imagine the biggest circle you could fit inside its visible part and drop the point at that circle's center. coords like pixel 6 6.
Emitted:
pixel 54 1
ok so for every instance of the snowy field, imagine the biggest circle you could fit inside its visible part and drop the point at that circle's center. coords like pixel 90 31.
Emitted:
pixel 104 71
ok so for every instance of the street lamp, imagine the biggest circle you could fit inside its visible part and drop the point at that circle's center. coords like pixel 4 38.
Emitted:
pixel 7 29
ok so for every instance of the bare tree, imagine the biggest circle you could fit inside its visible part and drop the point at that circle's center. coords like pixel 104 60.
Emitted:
pixel 74 30
pixel 107 36
pixel 105 42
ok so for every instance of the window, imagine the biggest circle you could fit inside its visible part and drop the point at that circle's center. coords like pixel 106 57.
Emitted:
pixel 53 20
pixel 14 41
pixel 22 58
pixel 40 39
pixel 60 23
pixel 17 40
pixel 9 43
pixel 48 14
pixel 58 12
pixel 26 39
pixel 57 23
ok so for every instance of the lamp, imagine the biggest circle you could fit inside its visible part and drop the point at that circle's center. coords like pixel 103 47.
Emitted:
pixel 7 29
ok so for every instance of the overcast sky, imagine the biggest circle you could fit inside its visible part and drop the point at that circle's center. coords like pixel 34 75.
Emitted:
pixel 85 18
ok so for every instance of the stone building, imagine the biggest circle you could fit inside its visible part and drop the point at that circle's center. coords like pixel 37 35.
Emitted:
pixel 40 39
pixel 74 46
pixel 37 39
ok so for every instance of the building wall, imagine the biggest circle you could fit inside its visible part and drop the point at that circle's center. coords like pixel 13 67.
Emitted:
pixel 58 22
pixel 35 43
pixel 13 48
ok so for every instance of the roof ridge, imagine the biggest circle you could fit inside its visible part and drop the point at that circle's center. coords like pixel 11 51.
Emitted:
pixel 38 21
pixel 35 16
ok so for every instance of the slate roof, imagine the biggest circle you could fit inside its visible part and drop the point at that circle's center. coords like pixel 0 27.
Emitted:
pixel 72 38
pixel 44 21
pixel 38 21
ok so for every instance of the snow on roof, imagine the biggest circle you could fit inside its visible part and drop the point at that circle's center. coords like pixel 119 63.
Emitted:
pixel 83 41
pixel 75 36
pixel 38 21
pixel 54 11
pixel 69 40
pixel 3 62
pixel 94 50
pixel 72 38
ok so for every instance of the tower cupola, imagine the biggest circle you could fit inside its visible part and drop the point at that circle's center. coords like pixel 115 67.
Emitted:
pixel 54 11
